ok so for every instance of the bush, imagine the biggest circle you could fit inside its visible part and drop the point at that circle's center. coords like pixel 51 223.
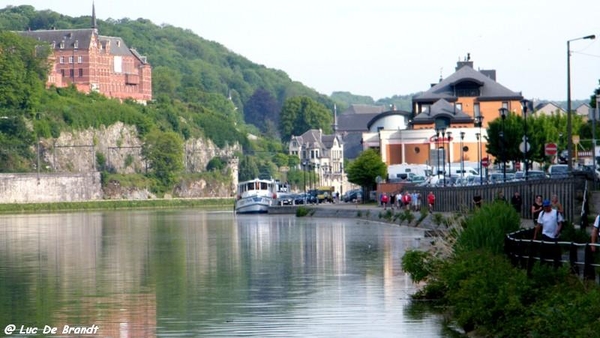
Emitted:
pixel 487 227
pixel 301 212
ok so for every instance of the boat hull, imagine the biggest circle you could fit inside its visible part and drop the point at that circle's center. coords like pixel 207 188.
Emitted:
pixel 253 205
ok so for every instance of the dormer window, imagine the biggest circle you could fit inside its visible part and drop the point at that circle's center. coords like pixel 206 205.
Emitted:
pixel 118 43
pixel 76 44
pixel 62 45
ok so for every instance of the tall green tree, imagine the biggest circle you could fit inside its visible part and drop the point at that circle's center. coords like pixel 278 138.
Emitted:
pixel 262 110
pixel 23 71
pixel 300 114
pixel 248 169
pixel 365 169
pixel 163 151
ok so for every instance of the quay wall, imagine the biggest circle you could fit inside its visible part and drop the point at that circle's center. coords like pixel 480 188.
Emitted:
pixel 42 188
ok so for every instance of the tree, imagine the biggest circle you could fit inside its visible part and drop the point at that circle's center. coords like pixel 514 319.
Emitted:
pixel 365 169
pixel 23 71
pixel 261 109
pixel 300 114
pixel 248 169
pixel 163 151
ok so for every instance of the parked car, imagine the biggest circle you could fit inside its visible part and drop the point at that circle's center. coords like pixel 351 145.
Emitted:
pixel 558 171
pixel 352 195
pixel 285 199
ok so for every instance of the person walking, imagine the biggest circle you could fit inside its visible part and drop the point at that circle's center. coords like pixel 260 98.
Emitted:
pixel 536 208
pixel 516 201
pixel 549 223
pixel 430 201
pixel 556 205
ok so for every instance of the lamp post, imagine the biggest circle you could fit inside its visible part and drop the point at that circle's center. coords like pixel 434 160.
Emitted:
pixel 478 135
pixel 569 126
pixel 596 112
pixel 437 151
pixel 525 106
pixel 479 120
pixel 304 162
pixel 444 155
pixel 503 112
pixel 449 135
pixel 462 160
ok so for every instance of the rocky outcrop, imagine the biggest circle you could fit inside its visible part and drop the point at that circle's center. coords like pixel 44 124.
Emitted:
pixel 119 148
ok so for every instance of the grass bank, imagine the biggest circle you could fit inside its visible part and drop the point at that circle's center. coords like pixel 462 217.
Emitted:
pixel 12 208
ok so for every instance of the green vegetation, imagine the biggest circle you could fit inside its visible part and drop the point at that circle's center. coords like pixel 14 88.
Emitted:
pixel 365 169
pixel 469 277
pixel 201 90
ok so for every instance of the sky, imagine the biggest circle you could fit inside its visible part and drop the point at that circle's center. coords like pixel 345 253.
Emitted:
pixel 382 48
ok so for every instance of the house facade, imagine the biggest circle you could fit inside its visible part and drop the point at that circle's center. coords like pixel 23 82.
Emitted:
pixel 96 63
pixel 449 120
pixel 322 156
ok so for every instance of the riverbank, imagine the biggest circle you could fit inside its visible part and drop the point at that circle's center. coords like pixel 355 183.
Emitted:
pixel 12 208
pixel 429 221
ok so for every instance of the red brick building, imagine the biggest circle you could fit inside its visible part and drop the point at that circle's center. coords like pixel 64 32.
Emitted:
pixel 93 62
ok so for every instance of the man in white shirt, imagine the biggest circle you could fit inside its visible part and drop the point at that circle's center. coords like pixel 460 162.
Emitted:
pixel 549 221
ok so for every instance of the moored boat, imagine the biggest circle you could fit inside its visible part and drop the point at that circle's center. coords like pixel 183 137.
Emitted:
pixel 255 196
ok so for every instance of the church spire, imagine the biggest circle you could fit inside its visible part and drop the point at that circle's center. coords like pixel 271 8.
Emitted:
pixel 94 24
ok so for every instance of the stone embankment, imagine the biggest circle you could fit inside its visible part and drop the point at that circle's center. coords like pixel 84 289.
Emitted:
pixel 375 213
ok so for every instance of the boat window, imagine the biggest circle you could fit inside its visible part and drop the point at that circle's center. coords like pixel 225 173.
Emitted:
pixel 263 185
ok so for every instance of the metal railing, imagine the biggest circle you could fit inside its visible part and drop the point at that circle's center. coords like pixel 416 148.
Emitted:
pixel 524 252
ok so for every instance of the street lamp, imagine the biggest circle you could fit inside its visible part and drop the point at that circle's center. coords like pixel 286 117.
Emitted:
pixel 503 112
pixel 478 135
pixel 437 151
pixel 304 163
pixel 449 134
pixel 569 126
pixel 444 155
pixel 479 120
pixel 525 105
pixel 462 162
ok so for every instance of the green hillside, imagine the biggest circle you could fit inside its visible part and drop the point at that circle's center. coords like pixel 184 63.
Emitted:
pixel 200 89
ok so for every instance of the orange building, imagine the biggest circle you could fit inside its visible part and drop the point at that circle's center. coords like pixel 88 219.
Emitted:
pixel 448 122
pixel 96 63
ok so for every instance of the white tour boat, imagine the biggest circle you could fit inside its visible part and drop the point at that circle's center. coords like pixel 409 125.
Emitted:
pixel 255 196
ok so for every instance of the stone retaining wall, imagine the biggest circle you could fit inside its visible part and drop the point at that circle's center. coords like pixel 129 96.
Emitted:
pixel 40 188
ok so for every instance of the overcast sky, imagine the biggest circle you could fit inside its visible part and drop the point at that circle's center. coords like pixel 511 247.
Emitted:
pixel 382 48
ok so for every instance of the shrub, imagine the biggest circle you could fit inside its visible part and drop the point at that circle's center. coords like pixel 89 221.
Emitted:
pixel 487 227
pixel 418 264
pixel 301 212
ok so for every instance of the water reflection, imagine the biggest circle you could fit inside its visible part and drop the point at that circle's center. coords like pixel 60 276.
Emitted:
pixel 194 273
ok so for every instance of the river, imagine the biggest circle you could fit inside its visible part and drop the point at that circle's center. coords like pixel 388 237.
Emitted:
pixel 192 273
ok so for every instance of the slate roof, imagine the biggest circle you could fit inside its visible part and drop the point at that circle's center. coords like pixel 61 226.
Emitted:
pixel 83 38
pixel 490 90
pixel 68 36
pixel 357 117
pixel 442 108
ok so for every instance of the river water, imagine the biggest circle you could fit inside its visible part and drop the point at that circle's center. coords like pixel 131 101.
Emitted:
pixel 191 273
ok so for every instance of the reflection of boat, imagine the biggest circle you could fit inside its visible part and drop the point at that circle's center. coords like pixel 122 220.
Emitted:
pixel 255 196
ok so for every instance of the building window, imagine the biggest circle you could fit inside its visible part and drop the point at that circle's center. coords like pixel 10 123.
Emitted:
pixel 458 106
pixel 62 72
pixel 505 105
pixel 80 72
pixel 61 59
pixel 70 59
pixel 71 73
pixel 79 59
pixel 62 45
pixel 476 110
pixel 417 150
